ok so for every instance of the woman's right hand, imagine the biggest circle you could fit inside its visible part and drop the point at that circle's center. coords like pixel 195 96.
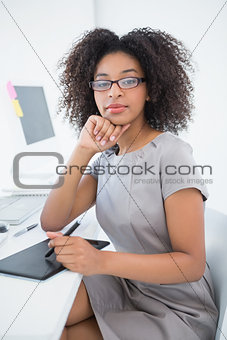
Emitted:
pixel 105 129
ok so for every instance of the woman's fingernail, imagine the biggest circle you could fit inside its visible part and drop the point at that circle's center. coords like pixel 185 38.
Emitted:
pixel 112 138
pixel 95 132
pixel 103 142
pixel 98 138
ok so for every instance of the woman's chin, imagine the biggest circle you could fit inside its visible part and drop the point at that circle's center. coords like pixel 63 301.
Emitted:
pixel 115 118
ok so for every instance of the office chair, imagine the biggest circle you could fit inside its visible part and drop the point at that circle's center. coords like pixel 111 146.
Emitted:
pixel 216 257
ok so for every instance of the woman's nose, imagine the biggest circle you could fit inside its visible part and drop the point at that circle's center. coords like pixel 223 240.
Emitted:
pixel 115 91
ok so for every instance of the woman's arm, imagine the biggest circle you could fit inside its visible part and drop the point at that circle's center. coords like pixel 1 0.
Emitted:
pixel 75 195
pixel 185 222
pixel 59 203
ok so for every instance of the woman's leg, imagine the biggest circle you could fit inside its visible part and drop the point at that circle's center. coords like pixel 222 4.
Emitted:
pixel 64 335
pixel 84 330
pixel 81 311
pixel 81 308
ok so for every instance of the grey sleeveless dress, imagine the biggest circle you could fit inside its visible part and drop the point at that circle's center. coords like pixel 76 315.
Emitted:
pixel 130 209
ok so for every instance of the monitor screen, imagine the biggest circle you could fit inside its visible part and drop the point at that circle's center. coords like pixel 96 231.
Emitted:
pixel 31 130
pixel 36 122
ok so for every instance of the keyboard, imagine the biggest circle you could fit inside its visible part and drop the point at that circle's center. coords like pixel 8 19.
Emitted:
pixel 16 209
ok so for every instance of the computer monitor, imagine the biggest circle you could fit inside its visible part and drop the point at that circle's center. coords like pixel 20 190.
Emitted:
pixel 35 122
pixel 32 131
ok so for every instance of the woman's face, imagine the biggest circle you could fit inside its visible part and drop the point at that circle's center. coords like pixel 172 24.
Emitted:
pixel 115 66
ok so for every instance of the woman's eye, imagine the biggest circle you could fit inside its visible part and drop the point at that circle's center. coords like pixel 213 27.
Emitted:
pixel 129 81
pixel 102 84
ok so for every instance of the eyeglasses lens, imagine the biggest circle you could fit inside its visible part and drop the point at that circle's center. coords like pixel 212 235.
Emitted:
pixel 125 83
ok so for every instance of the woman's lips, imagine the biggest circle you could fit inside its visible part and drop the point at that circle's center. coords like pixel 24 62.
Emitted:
pixel 116 109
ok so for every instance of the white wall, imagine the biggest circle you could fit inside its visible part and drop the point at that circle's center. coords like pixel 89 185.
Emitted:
pixel 188 21
pixel 51 27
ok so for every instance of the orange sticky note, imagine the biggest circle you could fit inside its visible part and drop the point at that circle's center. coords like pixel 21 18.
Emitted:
pixel 17 108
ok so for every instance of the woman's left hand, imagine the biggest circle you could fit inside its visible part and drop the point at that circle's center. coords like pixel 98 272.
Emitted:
pixel 75 253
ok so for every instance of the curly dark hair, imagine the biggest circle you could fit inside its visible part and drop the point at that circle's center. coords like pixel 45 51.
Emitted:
pixel 165 62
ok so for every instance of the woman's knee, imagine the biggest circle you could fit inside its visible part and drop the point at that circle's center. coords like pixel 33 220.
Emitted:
pixel 64 334
pixel 81 308
pixel 87 329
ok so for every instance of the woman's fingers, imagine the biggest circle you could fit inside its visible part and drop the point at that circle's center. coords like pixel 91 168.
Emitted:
pixel 99 134
pixel 98 124
pixel 111 133
pixel 103 130
pixel 107 134
pixel 53 234
pixel 65 249
pixel 120 131
pixel 115 132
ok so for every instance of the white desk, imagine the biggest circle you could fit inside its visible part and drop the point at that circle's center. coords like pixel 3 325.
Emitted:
pixel 32 309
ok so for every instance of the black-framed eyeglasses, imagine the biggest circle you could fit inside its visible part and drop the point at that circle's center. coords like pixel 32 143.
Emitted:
pixel 123 83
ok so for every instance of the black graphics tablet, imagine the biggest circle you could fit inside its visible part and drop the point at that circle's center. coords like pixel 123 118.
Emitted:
pixel 32 263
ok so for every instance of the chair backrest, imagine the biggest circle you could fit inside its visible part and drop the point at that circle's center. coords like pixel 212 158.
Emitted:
pixel 216 256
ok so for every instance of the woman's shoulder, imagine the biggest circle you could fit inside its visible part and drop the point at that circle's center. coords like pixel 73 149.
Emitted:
pixel 169 144
pixel 168 139
pixel 165 143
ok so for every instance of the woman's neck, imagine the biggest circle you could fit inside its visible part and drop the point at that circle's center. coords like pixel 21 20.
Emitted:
pixel 136 137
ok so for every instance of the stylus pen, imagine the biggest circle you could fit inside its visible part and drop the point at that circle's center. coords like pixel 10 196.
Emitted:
pixel 25 229
pixel 69 232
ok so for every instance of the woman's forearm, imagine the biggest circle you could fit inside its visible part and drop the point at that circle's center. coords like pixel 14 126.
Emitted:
pixel 167 268
pixel 60 200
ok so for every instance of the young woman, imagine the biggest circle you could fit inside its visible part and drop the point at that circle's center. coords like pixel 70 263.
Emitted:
pixel 129 97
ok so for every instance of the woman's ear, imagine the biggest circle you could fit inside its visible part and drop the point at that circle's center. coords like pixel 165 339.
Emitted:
pixel 148 99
